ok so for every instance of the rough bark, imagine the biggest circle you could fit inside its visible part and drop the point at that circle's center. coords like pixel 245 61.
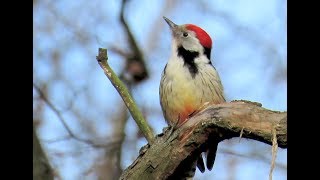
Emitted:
pixel 171 150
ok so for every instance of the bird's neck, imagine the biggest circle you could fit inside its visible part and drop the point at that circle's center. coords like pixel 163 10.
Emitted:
pixel 187 61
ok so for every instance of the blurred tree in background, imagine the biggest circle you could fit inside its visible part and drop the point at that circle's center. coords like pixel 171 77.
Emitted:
pixel 80 120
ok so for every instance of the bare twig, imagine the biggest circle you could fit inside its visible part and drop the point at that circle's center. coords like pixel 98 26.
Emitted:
pixel 65 138
pixel 274 151
pixel 135 61
pixel 251 156
pixel 241 134
pixel 63 122
pixel 102 59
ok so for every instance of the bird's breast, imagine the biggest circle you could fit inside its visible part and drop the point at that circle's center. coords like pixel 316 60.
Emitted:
pixel 181 94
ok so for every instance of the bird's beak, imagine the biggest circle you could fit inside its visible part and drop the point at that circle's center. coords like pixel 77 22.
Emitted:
pixel 170 23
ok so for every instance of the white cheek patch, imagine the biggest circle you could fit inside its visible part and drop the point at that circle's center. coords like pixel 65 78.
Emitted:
pixel 191 43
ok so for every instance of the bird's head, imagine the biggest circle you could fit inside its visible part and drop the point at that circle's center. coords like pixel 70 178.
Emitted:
pixel 190 37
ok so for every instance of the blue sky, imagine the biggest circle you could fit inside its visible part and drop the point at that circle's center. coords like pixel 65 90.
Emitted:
pixel 249 51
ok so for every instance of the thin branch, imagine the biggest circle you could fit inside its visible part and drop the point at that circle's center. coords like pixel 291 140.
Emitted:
pixel 131 40
pixel 119 51
pixel 63 122
pixel 251 156
pixel 274 151
pixel 135 61
pixel 55 140
pixel 102 59
pixel 241 132
pixel 221 121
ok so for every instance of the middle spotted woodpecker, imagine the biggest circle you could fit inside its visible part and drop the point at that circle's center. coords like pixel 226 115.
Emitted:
pixel 189 80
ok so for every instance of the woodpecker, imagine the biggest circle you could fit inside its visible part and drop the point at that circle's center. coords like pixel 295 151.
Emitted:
pixel 189 80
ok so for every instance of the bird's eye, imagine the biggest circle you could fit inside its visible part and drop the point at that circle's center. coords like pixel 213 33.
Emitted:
pixel 185 34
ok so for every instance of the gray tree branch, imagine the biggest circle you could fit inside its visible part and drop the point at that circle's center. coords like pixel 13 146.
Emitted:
pixel 135 60
pixel 171 150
